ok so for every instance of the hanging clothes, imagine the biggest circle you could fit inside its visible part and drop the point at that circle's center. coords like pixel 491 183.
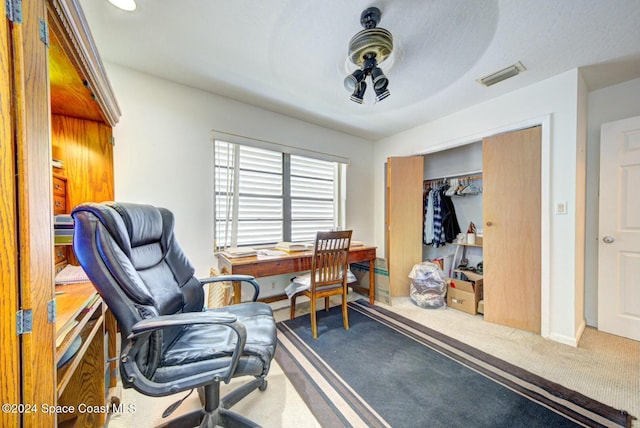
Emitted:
pixel 440 220
pixel 450 226
pixel 428 218
pixel 437 218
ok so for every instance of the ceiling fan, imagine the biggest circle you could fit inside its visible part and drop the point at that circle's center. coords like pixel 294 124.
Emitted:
pixel 367 49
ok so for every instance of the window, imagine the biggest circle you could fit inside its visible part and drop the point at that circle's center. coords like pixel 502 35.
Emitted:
pixel 264 196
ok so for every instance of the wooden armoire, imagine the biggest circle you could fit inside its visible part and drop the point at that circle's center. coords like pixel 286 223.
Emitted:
pixel 53 93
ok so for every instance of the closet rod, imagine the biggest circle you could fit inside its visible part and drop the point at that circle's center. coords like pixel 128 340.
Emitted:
pixel 475 175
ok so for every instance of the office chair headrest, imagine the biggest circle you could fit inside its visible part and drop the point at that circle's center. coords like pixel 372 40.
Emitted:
pixel 143 223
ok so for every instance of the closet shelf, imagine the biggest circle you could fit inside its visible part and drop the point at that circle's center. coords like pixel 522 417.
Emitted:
pixel 459 185
pixel 469 177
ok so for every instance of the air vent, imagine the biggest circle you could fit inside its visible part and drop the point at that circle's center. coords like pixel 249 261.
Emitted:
pixel 505 73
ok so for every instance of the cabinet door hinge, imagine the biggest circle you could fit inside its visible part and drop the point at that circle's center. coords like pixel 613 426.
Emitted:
pixel 51 311
pixel 44 32
pixel 14 10
pixel 24 321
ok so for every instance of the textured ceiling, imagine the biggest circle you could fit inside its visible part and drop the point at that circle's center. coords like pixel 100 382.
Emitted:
pixel 289 56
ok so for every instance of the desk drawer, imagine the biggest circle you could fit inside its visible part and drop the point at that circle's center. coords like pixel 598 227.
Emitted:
pixel 59 204
pixel 59 186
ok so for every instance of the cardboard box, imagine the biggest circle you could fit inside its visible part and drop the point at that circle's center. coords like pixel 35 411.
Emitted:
pixel 465 295
pixel 439 263
pixel 361 271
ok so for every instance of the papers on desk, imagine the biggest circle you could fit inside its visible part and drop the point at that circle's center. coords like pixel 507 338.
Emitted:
pixel 356 243
pixel 71 274
pixel 270 254
pixel 235 252
pixel 293 246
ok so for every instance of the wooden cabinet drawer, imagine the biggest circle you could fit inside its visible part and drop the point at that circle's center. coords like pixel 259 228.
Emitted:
pixel 60 254
pixel 59 204
pixel 59 186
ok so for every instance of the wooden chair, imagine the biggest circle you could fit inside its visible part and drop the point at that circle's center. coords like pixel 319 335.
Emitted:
pixel 328 275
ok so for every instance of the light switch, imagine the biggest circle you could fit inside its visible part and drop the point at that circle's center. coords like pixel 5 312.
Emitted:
pixel 561 207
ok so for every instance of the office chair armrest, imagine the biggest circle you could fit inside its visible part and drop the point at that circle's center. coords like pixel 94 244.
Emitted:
pixel 243 278
pixel 182 319
pixel 141 330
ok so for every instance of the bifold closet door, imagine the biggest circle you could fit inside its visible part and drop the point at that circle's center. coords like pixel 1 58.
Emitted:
pixel 511 165
pixel 404 220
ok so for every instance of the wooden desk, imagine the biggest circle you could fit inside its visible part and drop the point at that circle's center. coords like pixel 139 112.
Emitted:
pixel 81 380
pixel 291 263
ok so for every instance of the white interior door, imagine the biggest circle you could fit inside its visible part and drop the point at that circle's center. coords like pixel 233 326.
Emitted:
pixel 619 229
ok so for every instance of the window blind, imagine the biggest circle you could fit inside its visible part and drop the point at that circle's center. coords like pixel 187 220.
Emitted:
pixel 312 197
pixel 264 196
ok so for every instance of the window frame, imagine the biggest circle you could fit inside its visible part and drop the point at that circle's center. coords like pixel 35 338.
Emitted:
pixel 287 220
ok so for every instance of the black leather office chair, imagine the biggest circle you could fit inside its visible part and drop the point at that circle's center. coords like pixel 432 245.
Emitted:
pixel 168 343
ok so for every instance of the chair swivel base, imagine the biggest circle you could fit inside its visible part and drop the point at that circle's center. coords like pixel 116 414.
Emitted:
pixel 216 410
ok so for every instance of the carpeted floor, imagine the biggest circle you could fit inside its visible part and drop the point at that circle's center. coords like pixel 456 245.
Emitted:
pixel 604 367
pixel 420 377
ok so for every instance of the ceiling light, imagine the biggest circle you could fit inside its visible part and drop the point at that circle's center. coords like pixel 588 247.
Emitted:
pixel 128 5
pixel 378 78
pixel 505 73
pixel 367 49
pixel 358 92
pixel 352 80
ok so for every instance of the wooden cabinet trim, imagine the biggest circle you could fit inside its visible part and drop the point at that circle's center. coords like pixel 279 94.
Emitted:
pixel 10 390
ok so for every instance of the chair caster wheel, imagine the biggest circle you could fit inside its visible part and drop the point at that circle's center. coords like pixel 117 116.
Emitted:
pixel 263 386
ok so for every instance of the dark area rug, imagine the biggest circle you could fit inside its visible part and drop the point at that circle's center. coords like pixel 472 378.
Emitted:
pixel 387 370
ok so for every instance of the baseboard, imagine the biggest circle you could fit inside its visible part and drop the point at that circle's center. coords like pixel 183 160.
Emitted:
pixel 567 340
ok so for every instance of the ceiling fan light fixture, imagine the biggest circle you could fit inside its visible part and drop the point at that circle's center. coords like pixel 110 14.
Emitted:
pixel 504 74
pixel 352 80
pixel 382 93
pixel 358 93
pixel 379 80
pixel 367 49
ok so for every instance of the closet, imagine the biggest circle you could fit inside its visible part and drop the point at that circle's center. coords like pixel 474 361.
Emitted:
pixel 510 220
pixel 457 173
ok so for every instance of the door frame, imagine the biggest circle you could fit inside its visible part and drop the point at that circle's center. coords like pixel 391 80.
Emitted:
pixel 608 313
pixel 545 205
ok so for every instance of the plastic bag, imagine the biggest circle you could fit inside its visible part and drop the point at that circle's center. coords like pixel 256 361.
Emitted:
pixel 428 285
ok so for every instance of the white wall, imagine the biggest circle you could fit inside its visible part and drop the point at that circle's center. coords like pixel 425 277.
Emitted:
pixel 163 154
pixel 604 105
pixel 556 97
